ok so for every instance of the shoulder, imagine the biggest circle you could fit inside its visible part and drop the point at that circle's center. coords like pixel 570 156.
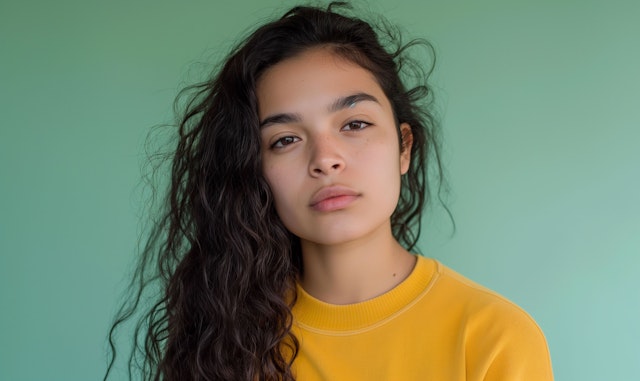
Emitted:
pixel 477 301
pixel 501 340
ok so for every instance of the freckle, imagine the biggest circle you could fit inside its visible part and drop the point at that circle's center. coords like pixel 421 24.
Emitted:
pixel 394 274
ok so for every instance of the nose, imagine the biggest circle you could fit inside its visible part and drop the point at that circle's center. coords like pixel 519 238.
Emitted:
pixel 325 158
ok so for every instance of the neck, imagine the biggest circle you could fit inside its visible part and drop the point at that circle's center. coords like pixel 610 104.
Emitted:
pixel 355 271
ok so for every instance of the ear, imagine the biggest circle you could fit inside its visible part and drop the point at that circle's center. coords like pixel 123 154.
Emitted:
pixel 407 142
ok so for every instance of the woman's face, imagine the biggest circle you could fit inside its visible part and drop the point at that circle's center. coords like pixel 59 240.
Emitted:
pixel 330 148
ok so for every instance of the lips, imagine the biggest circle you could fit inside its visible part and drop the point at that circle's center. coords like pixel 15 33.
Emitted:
pixel 333 198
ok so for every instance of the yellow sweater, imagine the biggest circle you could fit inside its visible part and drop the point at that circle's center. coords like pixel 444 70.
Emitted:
pixel 435 325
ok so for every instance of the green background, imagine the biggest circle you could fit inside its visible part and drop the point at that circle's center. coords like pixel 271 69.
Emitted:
pixel 539 102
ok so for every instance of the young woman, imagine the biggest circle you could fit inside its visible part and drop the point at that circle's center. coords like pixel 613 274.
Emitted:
pixel 296 194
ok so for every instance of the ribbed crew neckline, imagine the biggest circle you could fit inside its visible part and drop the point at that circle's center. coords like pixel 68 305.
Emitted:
pixel 315 315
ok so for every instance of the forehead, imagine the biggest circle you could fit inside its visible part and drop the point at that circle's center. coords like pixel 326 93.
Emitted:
pixel 313 78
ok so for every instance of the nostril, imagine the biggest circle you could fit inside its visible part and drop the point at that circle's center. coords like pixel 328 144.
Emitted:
pixel 325 165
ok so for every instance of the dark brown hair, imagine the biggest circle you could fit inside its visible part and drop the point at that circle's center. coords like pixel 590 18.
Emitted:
pixel 224 264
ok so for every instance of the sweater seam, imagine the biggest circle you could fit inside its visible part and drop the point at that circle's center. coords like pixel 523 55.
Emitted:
pixel 434 279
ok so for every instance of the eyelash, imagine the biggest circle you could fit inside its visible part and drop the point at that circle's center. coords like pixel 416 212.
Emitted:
pixel 280 143
pixel 362 124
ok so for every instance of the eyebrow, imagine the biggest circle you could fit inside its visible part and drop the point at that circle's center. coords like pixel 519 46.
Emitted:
pixel 350 101
pixel 337 105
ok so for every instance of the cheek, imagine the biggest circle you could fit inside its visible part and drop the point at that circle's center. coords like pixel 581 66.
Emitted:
pixel 382 158
pixel 274 179
pixel 384 172
pixel 282 185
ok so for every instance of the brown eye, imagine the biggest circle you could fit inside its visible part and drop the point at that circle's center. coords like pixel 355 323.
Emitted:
pixel 355 125
pixel 284 141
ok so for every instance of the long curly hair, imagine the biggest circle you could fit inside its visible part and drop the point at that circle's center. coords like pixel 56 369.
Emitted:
pixel 219 266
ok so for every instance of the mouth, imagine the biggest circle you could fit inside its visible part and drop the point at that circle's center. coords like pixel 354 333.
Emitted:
pixel 333 198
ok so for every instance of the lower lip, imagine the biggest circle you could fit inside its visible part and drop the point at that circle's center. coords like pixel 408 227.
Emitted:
pixel 334 203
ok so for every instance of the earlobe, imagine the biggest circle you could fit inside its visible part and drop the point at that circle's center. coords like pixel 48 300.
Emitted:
pixel 407 142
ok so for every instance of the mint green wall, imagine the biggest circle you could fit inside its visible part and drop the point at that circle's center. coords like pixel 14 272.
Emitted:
pixel 539 101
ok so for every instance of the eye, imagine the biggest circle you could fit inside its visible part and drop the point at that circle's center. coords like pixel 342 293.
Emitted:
pixel 355 125
pixel 284 141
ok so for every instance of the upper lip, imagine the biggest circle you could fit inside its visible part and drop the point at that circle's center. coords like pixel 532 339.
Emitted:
pixel 330 192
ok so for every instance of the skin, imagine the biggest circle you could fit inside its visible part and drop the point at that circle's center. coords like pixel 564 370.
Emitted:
pixel 331 155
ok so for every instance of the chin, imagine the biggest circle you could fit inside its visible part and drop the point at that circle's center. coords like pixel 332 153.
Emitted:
pixel 340 236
